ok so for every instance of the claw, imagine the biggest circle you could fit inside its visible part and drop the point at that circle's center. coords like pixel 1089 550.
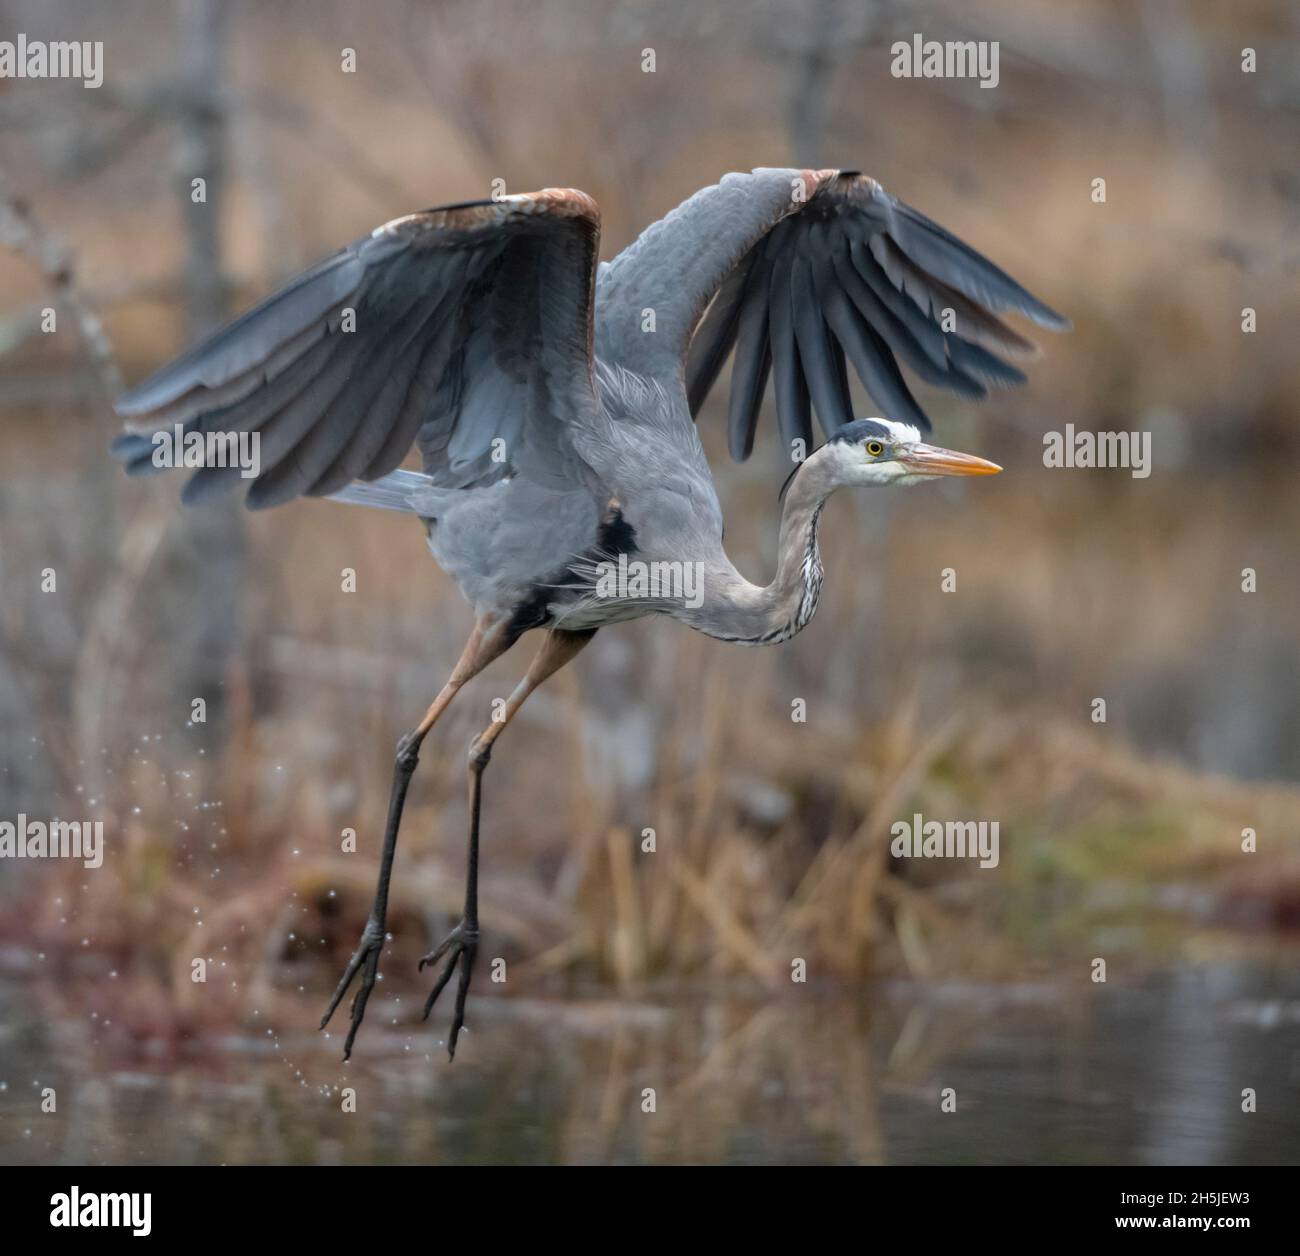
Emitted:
pixel 434 956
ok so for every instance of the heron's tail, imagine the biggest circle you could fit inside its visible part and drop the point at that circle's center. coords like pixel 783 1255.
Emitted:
pixel 395 491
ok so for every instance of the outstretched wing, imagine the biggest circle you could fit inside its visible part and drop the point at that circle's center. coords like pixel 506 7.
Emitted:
pixel 456 328
pixel 801 273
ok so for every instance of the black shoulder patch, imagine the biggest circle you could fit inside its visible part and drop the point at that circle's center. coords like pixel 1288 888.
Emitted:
pixel 616 535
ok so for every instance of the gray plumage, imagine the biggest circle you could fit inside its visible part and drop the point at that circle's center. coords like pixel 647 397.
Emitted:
pixel 552 401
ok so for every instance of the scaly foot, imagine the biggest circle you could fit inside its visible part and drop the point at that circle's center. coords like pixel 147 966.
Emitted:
pixel 365 959
pixel 460 946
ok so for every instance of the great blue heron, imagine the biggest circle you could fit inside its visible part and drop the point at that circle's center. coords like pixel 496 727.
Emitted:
pixel 552 400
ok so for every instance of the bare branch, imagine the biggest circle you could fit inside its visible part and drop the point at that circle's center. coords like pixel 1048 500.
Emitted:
pixel 22 234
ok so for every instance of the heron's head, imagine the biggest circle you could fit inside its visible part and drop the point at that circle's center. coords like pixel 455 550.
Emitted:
pixel 881 451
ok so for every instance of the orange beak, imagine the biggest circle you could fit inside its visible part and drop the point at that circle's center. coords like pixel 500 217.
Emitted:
pixel 931 460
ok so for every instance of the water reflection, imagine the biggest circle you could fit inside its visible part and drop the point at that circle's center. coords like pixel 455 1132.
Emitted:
pixel 1041 1073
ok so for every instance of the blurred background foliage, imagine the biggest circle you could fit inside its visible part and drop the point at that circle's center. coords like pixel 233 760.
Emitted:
pixel 223 839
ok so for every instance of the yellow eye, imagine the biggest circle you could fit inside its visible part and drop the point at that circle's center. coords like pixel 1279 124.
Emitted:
pixel 875 448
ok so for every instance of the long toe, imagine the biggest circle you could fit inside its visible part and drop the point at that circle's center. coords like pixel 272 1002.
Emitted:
pixel 442 948
pixel 443 978
pixel 462 991
pixel 365 960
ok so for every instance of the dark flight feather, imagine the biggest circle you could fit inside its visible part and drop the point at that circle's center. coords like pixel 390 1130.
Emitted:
pixel 849 275
pixel 483 307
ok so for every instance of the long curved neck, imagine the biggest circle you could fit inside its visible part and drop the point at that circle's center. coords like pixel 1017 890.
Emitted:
pixel 744 612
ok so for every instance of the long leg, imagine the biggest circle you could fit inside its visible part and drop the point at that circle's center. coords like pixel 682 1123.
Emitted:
pixel 461 944
pixel 486 643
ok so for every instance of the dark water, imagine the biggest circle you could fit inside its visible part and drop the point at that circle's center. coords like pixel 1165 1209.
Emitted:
pixel 1148 1073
